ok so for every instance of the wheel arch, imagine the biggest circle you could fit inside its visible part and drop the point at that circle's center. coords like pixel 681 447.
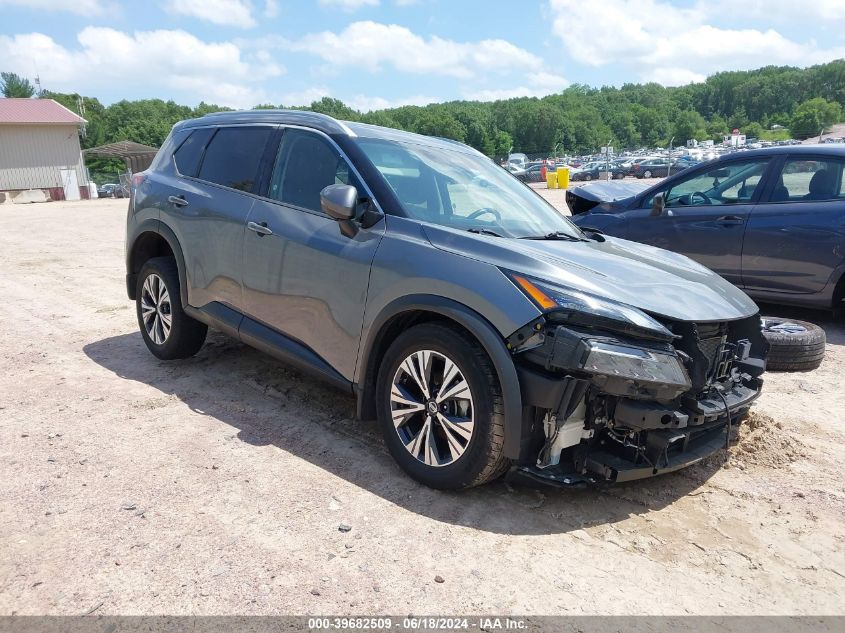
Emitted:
pixel 153 238
pixel 403 313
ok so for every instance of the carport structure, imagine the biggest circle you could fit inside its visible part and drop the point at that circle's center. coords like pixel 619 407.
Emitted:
pixel 136 156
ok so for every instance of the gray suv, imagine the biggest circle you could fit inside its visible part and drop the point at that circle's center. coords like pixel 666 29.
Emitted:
pixel 483 330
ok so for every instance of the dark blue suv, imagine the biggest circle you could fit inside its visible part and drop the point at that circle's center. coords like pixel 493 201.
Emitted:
pixel 770 221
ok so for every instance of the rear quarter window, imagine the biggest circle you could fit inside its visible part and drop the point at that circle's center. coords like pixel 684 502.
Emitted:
pixel 187 157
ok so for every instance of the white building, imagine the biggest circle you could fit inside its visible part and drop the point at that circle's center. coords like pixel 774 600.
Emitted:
pixel 40 157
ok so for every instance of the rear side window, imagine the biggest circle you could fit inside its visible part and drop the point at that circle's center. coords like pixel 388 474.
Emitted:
pixel 234 155
pixel 804 180
pixel 188 156
pixel 307 163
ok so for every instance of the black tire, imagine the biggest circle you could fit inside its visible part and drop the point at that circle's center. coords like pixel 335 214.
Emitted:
pixel 482 459
pixel 186 335
pixel 794 345
pixel 647 173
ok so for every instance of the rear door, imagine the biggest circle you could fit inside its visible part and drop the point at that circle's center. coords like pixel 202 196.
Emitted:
pixel 209 211
pixel 302 277
pixel 705 216
pixel 796 237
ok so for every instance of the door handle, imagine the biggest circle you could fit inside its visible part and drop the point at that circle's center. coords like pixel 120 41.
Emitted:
pixel 178 201
pixel 730 219
pixel 262 229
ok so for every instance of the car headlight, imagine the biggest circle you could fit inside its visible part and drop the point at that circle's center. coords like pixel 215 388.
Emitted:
pixel 580 308
pixel 624 361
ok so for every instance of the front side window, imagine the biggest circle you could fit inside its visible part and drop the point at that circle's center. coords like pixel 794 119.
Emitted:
pixel 725 184
pixel 234 155
pixel 306 164
pixel 460 189
pixel 809 180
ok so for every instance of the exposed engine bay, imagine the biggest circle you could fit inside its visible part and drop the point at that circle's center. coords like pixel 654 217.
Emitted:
pixel 616 407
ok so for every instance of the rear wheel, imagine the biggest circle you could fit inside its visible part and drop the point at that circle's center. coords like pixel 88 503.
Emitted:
pixel 168 332
pixel 647 173
pixel 440 408
pixel 794 345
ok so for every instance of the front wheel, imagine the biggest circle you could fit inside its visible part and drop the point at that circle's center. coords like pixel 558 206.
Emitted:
pixel 440 408
pixel 168 332
pixel 646 174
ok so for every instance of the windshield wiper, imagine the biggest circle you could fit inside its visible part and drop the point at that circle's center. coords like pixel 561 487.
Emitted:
pixel 481 231
pixel 554 235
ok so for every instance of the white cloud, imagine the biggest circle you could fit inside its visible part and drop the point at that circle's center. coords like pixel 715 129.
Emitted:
pixel 271 9
pixel 304 97
pixel 675 44
pixel 349 5
pixel 364 103
pixel 82 7
pixel 371 45
pixel 226 12
pixel 540 84
pixel 168 63
pixel 673 76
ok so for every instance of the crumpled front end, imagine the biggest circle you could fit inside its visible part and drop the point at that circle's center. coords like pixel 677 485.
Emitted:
pixel 611 406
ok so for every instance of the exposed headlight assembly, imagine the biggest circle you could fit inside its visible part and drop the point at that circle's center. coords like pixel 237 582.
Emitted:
pixel 636 363
pixel 564 305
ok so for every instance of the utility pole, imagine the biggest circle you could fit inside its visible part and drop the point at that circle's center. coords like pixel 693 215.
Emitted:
pixel 669 168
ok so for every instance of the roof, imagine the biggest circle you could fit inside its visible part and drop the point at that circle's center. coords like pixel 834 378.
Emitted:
pixel 323 123
pixel 825 149
pixel 36 111
pixel 121 149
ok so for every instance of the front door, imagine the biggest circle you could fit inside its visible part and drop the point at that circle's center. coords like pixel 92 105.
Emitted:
pixel 705 215
pixel 303 277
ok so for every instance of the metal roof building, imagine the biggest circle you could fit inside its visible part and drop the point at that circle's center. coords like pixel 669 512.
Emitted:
pixel 39 151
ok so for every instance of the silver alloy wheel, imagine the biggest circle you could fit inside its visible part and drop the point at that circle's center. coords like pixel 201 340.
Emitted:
pixel 770 324
pixel 155 309
pixel 431 405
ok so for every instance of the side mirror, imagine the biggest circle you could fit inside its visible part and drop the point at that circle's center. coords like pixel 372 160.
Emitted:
pixel 658 205
pixel 339 201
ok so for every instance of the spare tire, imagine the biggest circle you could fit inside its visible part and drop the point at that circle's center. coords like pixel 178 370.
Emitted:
pixel 795 345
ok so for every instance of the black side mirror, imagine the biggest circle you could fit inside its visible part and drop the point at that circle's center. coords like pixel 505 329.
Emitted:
pixel 658 205
pixel 339 201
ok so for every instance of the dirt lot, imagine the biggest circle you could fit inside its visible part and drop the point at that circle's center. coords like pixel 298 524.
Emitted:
pixel 217 485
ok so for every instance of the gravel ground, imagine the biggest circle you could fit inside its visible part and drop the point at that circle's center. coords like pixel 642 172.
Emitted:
pixel 220 484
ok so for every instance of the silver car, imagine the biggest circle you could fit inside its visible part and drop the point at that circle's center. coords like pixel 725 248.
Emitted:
pixel 484 331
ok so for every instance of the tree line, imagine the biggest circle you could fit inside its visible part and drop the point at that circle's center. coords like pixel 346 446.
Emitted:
pixel 580 119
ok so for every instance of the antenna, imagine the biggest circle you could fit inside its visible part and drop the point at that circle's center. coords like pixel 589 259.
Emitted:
pixel 80 108
pixel 37 85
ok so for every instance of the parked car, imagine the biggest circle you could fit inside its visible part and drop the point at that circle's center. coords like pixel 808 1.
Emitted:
pixel 107 190
pixel 593 171
pixel 657 168
pixel 771 221
pixel 484 331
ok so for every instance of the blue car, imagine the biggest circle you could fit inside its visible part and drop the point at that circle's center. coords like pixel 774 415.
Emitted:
pixel 770 221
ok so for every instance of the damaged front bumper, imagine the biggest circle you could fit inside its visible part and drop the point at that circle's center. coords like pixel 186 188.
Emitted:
pixel 589 427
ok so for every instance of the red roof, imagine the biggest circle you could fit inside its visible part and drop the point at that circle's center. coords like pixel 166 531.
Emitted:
pixel 18 111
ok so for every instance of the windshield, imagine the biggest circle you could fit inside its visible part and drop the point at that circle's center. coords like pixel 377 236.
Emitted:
pixel 462 190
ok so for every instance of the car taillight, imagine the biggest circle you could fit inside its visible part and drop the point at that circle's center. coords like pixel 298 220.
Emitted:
pixel 138 179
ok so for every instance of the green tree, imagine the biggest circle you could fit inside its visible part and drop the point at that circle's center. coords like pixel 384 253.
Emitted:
pixel 813 116
pixel 753 130
pixel 689 124
pixel 13 85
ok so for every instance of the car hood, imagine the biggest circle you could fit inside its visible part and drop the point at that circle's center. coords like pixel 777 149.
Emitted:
pixel 654 280
pixel 582 199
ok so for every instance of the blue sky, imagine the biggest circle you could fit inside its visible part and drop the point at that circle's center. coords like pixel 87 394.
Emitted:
pixel 381 53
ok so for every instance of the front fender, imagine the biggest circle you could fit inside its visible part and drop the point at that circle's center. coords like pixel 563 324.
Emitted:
pixel 481 329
